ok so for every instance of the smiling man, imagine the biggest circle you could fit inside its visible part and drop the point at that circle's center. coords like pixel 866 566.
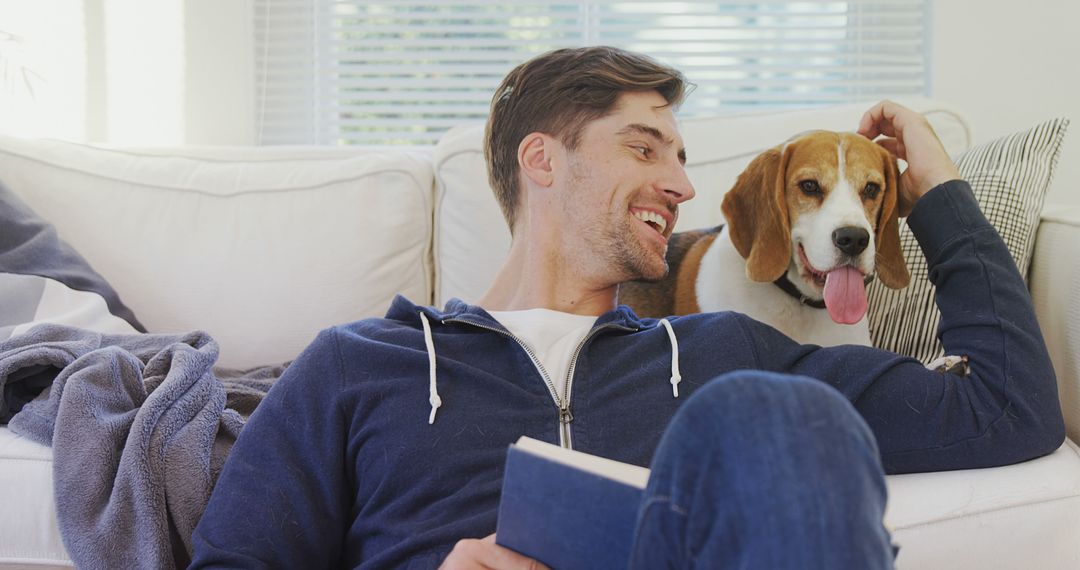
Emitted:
pixel 619 180
pixel 383 444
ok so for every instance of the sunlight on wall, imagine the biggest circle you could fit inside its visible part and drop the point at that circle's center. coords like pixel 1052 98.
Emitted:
pixel 43 68
pixel 93 70
pixel 144 71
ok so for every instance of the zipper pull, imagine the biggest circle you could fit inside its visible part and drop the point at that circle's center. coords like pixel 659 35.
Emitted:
pixel 565 417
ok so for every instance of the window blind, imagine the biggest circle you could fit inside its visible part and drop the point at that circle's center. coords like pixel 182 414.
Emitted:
pixel 403 71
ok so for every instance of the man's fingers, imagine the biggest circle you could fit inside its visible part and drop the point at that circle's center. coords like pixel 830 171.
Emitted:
pixel 868 126
pixel 892 145
pixel 910 137
pixel 879 120
pixel 484 553
pixel 504 558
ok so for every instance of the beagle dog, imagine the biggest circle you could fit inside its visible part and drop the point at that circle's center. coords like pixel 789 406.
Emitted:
pixel 809 223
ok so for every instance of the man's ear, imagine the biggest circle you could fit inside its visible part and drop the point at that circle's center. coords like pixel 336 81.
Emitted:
pixel 534 158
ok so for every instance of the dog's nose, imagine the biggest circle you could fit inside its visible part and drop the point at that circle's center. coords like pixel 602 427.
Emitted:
pixel 851 240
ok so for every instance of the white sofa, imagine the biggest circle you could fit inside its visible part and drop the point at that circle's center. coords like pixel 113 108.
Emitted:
pixel 263 247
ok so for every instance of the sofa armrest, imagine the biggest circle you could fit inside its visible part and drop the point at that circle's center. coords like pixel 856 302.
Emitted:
pixel 1054 281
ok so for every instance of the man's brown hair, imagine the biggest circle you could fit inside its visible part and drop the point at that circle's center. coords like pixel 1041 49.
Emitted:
pixel 559 93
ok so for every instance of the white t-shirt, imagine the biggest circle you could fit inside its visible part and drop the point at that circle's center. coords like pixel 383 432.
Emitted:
pixel 551 335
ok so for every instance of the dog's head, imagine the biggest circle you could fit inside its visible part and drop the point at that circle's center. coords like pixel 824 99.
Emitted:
pixel 821 208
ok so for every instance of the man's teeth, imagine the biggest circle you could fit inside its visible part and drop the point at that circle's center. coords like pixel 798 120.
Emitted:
pixel 647 216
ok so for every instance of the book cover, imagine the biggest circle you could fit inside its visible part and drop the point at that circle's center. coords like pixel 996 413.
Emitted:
pixel 568 509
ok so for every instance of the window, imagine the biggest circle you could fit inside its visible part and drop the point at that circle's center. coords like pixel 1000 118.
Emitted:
pixel 403 72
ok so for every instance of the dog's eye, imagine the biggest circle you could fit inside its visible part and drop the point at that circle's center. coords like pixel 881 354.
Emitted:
pixel 871 190
pixel 810 187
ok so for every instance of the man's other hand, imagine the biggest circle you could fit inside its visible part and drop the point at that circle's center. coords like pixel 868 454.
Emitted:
pixel 484 553
pixel 909 136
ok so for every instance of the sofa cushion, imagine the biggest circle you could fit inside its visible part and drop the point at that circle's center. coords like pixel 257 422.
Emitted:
pixel 1010 177
pixel 261 249
pixel 471 237
pixel 1017 516
pixel 29 531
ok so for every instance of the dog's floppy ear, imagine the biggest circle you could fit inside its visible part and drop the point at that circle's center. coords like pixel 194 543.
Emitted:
pixel 757 216
pixel 892 270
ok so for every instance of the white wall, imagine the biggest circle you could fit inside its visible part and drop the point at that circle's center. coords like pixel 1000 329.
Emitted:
pixel 171 72
pixel 219 97
pixel 1010 65
pixel 128 72
pixel 142 102
pixel 166 72
pixel 43 68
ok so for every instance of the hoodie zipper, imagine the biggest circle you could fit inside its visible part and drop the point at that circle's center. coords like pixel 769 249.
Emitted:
pixel 565 417
pixel 568 386
pixel 562 405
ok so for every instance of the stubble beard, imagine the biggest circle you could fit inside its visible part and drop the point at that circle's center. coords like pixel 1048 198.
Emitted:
pixel 634 260
pixel 615 247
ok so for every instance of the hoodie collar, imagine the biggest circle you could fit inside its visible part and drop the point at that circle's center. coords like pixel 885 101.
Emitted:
pixel 402 309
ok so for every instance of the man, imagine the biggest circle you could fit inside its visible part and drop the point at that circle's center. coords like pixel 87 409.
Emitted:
pixel 383 444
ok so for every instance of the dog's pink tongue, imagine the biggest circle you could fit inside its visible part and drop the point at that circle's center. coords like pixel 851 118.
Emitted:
pixel 845 295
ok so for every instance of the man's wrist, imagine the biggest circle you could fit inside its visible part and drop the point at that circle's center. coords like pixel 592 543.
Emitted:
pixel 945 211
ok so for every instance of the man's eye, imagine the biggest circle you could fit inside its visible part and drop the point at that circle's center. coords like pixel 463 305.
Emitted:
pixel 871 190
pixel 644 150
pixel 810 187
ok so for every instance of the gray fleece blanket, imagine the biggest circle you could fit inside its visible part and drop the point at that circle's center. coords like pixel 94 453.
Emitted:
pixel 140 426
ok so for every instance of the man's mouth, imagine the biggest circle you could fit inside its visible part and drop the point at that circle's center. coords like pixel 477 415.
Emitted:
pixel 653 220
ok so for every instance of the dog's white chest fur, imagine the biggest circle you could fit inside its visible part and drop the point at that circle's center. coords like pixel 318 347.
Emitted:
pixel 722 285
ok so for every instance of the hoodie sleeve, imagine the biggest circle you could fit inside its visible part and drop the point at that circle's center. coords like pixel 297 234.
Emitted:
pixel 1005 411
pixel 282 497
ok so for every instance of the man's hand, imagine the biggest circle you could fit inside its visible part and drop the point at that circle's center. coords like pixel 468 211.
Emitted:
pixel 910 137
pixel 484 553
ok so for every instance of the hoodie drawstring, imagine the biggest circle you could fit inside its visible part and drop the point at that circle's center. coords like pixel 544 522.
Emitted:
pixel 433 389
pixel 675 376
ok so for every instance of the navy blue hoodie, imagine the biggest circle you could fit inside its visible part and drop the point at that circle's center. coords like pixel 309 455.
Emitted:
pixel 340 467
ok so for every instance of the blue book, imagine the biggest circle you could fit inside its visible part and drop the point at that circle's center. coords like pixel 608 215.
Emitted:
pixel 568 509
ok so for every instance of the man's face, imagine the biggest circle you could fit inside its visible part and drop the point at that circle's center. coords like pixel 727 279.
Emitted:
pixel 624 183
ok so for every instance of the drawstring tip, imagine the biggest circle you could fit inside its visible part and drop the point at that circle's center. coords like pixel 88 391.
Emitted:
pixel 436 403
pixel 675 386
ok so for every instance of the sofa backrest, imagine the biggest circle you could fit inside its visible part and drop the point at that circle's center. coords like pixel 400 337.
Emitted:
pixel 471 237
pixel 261 247
pixel 1055 292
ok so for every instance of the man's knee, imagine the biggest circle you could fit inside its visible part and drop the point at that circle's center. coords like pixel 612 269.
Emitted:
pixel 746 400
pixel 735 463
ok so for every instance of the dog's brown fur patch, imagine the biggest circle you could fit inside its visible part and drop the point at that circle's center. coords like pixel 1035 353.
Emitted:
pixel 657 299
pixel 686 281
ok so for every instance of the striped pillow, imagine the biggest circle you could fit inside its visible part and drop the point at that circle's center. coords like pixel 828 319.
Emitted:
pixel 1010 177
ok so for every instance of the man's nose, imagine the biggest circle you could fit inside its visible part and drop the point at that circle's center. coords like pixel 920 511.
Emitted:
pixel 677 185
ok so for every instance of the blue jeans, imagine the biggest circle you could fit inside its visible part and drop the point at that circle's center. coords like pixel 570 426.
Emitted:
pixel 764 470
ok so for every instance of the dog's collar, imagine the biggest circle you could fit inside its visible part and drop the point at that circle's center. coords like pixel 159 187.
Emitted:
pixel 788 287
